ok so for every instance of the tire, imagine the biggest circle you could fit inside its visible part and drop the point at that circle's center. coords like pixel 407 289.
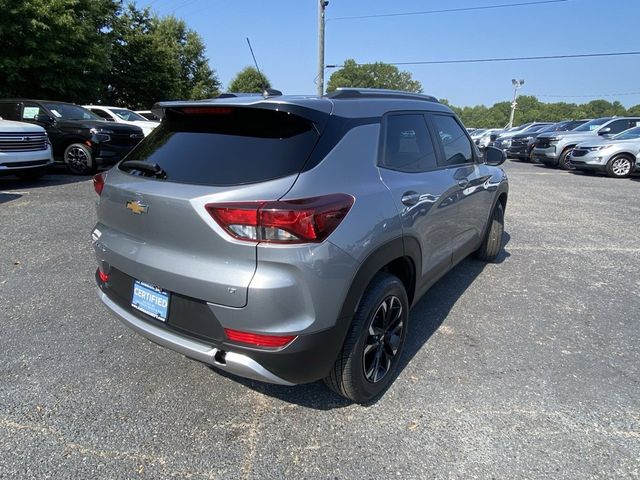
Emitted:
pixel 373 337
pixel 620 166
pixel 492 242
pixel 79 159
pixel 564 163
pixel 531 158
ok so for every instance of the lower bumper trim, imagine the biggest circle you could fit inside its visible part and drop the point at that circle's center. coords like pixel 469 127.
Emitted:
pixel 231 362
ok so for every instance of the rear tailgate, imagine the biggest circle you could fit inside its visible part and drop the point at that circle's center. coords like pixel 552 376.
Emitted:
pixel 157 230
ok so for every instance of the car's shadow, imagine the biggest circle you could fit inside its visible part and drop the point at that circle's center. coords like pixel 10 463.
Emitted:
pixel 10 186
pixel 425 318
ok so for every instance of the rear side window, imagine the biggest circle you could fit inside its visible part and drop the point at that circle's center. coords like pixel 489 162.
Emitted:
pixel 456 145
pixel 225 146
pixel 10 111
pixel 619 126
pixel 408 144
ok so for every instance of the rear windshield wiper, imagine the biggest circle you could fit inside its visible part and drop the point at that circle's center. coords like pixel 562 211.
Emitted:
pixel 145 168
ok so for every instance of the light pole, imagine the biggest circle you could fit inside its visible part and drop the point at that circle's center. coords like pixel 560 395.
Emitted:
pixel 322 5
pixel 516 85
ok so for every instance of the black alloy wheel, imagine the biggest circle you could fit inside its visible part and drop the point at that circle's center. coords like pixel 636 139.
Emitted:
pixel 384 340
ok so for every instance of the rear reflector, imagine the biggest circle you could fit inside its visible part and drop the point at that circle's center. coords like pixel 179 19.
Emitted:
pixel 98 183
pixel 104 277
pixel 288 221
pixel 258 340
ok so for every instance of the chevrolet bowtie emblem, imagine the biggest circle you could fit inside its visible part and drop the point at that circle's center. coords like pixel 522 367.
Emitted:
pixel 137 207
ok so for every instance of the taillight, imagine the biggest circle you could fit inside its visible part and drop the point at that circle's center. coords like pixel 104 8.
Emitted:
pixel 258 340
pixel 98 183
pixel 287 221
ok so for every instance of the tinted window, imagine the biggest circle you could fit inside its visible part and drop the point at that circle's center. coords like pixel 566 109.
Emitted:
pixel 457 148
pixel 618 126
pixel 102 113
pixel 574 124
pixel 630 134
pixel 592 125
pixel 68 111
pixel 231 147
pixel 10 111
pixel 128 115
pixel 408 144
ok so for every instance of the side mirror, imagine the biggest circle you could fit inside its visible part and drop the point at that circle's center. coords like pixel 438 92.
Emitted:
pixel 45 119
pixel 494 156
pixel 604 131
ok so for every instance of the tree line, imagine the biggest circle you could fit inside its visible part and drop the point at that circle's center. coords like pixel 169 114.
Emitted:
pixel 530 109
pixel 105 51
pixel 99 51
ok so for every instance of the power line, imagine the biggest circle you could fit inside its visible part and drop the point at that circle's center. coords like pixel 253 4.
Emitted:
pixel 587 96
pixel 504 59
pixel 449 10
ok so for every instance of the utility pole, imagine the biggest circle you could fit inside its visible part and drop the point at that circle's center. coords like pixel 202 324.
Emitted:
pixel 516 85
pixel 322 5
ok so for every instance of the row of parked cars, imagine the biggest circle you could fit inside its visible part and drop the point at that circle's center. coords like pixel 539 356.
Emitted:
pixel 36 133
pixel 609 145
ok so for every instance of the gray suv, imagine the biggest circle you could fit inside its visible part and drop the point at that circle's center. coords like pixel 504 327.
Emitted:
pixel 284 238
pixel 554 149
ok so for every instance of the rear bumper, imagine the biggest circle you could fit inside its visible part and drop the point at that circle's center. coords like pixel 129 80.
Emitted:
pixel 194 330
pixel 230 362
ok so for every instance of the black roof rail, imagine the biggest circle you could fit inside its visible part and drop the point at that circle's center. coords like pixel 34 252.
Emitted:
pixel 346 93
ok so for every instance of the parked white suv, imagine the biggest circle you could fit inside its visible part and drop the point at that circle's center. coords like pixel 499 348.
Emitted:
pixel 123 115
pixel 25 150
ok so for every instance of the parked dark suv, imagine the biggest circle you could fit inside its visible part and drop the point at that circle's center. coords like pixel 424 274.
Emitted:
pixel 284 238
pixel 79 138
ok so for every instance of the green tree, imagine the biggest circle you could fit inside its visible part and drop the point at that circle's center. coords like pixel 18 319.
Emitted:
pixel 57 49
pixel 249 80
pixel 530 109
pixel 156 58
pixel 373 75
pixel 634 111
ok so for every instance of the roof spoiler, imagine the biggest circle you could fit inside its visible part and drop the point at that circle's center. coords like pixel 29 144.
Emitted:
pixel 158 108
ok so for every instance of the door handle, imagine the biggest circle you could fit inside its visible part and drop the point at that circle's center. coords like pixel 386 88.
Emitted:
pixel 464 183
pixel 410 198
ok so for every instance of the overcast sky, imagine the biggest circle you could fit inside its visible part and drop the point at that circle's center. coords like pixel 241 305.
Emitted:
pixel 284 38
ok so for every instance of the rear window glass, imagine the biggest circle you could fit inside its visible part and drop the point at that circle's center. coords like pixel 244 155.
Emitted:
pixel 228 145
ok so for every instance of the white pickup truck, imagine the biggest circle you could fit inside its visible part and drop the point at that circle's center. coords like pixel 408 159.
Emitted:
pixel 25 150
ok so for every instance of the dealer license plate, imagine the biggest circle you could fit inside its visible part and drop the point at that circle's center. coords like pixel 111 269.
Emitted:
pixel 151 300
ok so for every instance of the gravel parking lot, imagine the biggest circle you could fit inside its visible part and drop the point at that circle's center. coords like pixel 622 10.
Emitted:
pixel 525 368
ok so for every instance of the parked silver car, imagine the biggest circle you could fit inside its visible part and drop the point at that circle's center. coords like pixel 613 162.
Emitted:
pixel 553 149
pixel 616 156
pixel 285 238
pixel 483 139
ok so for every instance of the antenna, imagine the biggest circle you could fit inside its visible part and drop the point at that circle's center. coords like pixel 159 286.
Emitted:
pixel 266 92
